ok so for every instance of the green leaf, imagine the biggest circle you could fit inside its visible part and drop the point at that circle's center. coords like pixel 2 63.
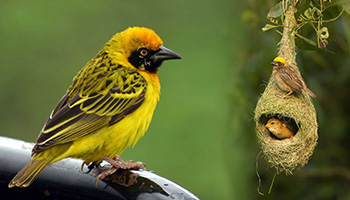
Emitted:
pixel 268 27
pixel 275 11
pixel 292 42
pixel 332 12
pixel 338 3
pixel 316 3
pixel 307 44
pixel 301 7
pixel 347 7
pixel 345 4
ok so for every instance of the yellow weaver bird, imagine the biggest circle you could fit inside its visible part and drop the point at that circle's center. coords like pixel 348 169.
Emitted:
pixel 288 79
pixel 279 128
pixel 108 106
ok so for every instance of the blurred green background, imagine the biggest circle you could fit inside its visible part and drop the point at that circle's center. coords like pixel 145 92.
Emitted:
pixel 202 134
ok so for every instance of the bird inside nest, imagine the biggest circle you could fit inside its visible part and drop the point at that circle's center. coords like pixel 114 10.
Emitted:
pixel 288 78
pixel 280 129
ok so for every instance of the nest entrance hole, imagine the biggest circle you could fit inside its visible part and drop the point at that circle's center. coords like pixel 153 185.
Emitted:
pixel 292 125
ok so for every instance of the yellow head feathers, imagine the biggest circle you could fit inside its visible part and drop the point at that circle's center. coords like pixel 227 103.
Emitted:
pixel 134 38
pixel 281 60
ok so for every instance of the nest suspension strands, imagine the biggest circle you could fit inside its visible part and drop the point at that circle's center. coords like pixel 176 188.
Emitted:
pixel 286 119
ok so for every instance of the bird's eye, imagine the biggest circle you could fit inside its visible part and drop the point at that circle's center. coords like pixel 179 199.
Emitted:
pixel 143 52
pixel 272 123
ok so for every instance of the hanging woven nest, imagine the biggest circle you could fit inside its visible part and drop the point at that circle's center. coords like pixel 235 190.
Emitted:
pixel 289 154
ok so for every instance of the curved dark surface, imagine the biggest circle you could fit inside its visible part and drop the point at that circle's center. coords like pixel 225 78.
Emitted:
pixel 64 180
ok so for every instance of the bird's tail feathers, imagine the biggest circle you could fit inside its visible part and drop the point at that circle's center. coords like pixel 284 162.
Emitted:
pixel 28 173
pixel 313 95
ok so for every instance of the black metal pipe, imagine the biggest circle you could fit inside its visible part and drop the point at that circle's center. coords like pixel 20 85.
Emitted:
pixel 64 180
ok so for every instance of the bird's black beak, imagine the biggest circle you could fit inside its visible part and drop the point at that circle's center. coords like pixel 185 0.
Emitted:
pixel 164 54
pixel 274 63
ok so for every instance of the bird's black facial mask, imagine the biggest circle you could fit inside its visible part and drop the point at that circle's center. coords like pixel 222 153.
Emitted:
pixel 150 60
pixel 141 59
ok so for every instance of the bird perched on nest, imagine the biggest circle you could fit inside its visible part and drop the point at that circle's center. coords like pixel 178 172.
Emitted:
pixel 279 128
pixel 288 79
pixel 108 106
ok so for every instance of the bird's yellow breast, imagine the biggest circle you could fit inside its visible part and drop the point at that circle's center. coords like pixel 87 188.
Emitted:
pixel 114 139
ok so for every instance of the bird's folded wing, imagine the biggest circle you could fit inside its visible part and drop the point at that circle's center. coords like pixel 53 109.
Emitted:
pixel 87 114
pixel 291 78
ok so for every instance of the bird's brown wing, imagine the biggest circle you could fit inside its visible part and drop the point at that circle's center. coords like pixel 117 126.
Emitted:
pixel 292 78
pixel 85 114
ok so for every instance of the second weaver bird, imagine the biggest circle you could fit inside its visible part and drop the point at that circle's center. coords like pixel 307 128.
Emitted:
pixel 288 78
pixel 279 128
pixel 108 106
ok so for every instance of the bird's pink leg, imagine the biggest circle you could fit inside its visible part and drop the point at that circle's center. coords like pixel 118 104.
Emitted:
pixel 292 137
pixel 118 163
pixel 284 96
